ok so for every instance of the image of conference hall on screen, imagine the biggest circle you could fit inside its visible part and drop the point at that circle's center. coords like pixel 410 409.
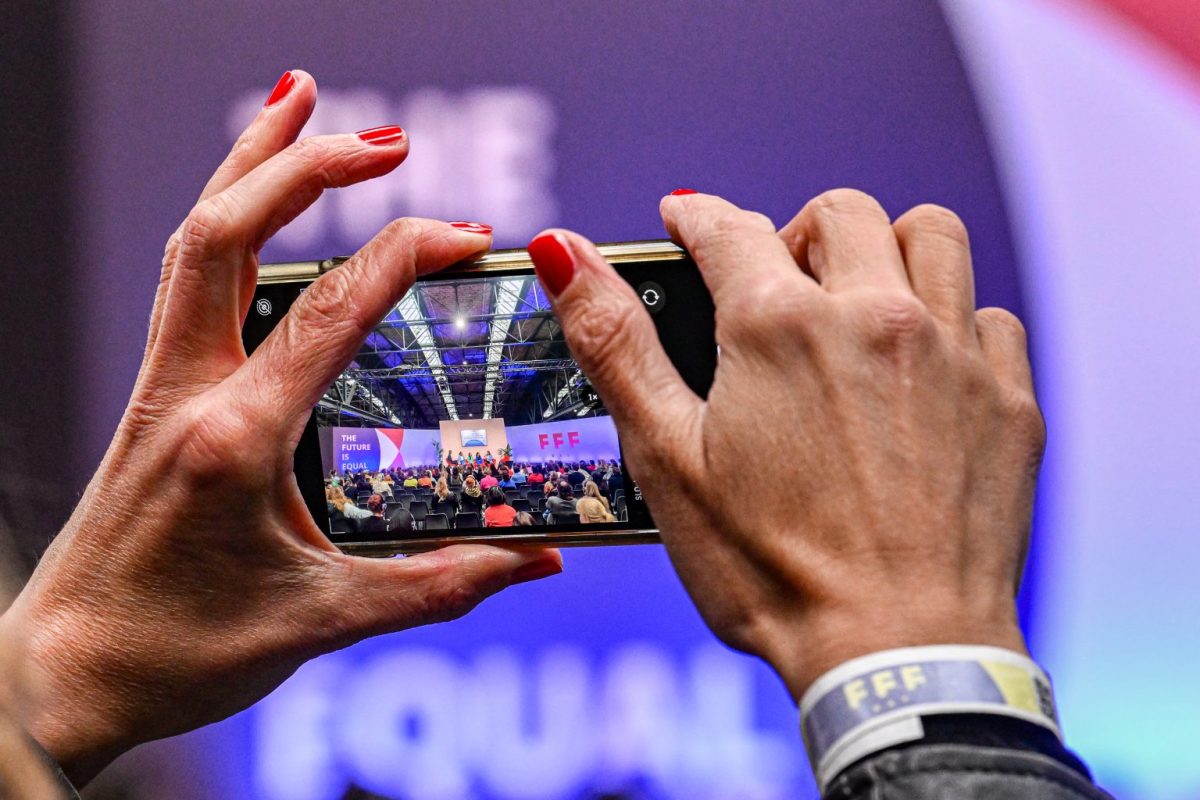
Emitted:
pixel 470 381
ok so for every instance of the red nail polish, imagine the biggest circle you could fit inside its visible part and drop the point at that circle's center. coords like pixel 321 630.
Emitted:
pixel 553 262
pixel 535 570
pixel 285 84
pixel 384 134
pixel 472 227
pixel 679 192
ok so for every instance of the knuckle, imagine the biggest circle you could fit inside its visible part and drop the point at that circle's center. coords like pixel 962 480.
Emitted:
pixel 760 222
pixel 211 447
pixel 320 160
pixel 1025 420
pixel 727 232
pixel 1022 406
pixel 243 149
pixel 458 599
pixel 143 413
pixel 171 249
pixel 448 599
pixel 836 204
pixel 934 220
pixel 1030 412
pixel 311 150
pixel 329 304
pixel 738 222
pixel 397 245
pixel 601 331
pixel 1004 323
pixel 406 236
pixel 207 226
pixel 402 229
pixel 896 318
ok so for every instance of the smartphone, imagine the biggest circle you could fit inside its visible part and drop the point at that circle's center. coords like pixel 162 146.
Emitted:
pixel 464 417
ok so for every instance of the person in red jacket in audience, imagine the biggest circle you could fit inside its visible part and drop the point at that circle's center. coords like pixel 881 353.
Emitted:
pixel 498 513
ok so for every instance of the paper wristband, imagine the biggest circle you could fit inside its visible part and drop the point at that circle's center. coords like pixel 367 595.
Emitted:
pixel 875 702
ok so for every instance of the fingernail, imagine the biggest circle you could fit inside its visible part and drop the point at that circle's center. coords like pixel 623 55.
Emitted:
pixel 535 570
pixel 679 192
pixel 282 87
pixel 384 134
pixel 473 227
pixel 553 262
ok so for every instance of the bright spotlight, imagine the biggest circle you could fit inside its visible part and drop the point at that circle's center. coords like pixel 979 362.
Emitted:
pixel 460 322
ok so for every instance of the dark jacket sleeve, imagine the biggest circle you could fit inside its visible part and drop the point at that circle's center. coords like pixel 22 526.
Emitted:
pixel 962 772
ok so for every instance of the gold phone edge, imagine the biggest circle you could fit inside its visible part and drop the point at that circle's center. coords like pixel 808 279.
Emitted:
pixel 565 539
pixel 493 261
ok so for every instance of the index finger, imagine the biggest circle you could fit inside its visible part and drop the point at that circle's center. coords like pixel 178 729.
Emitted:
pixel 729 244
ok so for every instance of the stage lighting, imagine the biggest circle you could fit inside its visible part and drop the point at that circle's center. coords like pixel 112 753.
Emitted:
pixel 460 322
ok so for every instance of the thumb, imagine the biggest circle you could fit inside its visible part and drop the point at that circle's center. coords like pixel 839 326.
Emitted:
pixel 392 594
pixel 612 337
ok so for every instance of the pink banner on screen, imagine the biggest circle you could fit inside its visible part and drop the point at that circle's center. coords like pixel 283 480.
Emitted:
pixel 382 448
pixel 581 439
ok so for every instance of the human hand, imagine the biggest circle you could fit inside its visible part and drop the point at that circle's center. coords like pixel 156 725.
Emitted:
pixel 861 474
pixel 191 579
pixel 24 775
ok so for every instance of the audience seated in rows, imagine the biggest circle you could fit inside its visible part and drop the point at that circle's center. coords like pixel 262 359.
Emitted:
pixel 469 495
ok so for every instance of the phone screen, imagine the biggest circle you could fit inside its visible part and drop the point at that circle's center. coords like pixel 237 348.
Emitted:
pixel 464 412
pixel 464 409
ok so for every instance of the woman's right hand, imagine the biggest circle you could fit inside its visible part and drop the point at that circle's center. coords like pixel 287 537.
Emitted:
pixel 898 424
pixel 191 579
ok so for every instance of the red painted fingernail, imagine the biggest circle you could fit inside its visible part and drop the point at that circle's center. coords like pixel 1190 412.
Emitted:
pixel 472 227
pixel 535 570
pixel 284 85
pixel 679 192
pixel 384 134
pixel 553 262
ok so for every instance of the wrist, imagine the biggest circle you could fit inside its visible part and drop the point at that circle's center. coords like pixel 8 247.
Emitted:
pixel 887 699
pixel 52 700
pixel 837 637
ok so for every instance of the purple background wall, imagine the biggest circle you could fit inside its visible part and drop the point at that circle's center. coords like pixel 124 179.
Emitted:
pixel 1096 125
pixel 37 336
pixel 521 115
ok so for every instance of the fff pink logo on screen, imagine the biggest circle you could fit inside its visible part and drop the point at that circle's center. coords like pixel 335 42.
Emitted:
pixel 571 439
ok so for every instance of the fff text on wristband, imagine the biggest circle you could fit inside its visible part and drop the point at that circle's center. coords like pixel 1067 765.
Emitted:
pixel 875 702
